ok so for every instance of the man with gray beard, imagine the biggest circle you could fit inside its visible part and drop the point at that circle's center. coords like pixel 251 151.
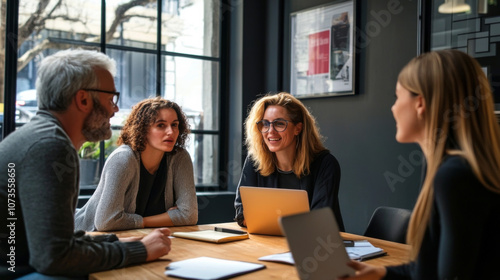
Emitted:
pixel 39 191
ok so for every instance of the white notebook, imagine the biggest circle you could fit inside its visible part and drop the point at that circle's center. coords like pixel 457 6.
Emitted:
pixel 206 268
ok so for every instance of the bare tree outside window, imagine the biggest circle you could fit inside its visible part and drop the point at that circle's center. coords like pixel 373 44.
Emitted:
pixel 80 20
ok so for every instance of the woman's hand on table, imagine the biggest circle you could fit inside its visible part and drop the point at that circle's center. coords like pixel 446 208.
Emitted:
pixel 365 271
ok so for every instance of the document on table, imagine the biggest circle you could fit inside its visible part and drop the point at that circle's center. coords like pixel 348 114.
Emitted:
pixel 361 250
pixel 281 257
pixel 205 268
pixel 218 235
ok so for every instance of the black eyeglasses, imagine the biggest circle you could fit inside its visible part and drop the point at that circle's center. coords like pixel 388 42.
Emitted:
pixel 116 94
pixel 279 125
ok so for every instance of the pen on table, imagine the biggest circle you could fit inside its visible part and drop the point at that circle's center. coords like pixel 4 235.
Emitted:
pixel 229 230
pixel 349 243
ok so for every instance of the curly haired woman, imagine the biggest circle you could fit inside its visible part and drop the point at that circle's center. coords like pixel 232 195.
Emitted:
pixel 148 180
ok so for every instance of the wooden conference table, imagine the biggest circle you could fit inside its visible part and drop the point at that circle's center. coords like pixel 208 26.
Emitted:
pixel 244 250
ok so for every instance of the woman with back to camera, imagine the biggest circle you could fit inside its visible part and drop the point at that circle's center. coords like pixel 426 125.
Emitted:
pixel 285 149
pixel 445 104
pixel 147 181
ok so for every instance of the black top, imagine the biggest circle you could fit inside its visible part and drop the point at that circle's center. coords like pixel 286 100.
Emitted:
pixel 321 184
pixel 288 180
pixel 462 238
pixel 150 198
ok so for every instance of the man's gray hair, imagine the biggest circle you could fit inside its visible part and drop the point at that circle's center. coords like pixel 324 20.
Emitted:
pixel 62 74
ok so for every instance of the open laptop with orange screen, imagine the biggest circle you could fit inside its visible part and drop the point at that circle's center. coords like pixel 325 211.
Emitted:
pixel 262 207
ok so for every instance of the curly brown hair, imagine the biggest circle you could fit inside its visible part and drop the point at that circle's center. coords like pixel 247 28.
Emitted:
pixel 142 117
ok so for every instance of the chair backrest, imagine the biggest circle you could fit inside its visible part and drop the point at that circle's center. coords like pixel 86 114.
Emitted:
pixel 389 223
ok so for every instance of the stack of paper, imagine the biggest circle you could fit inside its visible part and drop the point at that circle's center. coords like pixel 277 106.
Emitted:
pixel 361 250
pixel 281 258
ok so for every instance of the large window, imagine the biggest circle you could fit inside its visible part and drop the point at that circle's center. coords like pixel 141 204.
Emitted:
pixel 168 49
pixel 471 26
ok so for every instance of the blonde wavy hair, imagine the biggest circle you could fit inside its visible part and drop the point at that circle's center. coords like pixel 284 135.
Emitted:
pixel 310 140
pixel 459 120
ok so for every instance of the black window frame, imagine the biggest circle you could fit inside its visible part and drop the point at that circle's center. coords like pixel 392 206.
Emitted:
pixel 11 54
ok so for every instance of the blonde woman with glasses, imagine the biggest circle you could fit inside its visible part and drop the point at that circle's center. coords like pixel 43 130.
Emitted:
pixel 444 103
pixel 285 150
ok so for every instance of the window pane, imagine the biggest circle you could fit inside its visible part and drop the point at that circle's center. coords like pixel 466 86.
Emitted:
pixel 135 77
pixel 89 159
pixel 202 149
pixel 131 23
pixel 75 19
pixel 472 28
pixel 187 26
pixel 42 25
pixel 194 85
pixel 191 27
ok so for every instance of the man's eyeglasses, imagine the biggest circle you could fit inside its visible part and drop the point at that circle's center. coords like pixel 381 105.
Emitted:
pixel 116 94
pixel 279 125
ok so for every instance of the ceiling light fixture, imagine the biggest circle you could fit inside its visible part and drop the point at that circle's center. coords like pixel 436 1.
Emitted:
pixel 453 7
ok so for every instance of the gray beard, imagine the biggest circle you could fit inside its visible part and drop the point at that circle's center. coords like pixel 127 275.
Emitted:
pixel 96 126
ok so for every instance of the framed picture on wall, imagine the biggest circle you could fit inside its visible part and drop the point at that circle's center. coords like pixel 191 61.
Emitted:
pixel 323 48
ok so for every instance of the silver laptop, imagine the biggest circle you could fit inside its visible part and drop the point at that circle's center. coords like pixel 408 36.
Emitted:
pixel 317 248
pixel 262 207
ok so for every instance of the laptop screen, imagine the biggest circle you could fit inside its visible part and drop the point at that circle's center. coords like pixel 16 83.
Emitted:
pixel 262 207
pixel 316 245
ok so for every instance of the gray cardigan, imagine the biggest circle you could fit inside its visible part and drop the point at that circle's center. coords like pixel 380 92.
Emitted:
pixel 112 206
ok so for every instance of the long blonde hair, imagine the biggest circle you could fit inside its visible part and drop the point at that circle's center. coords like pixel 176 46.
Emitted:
pixel 459 120
pixel 310 140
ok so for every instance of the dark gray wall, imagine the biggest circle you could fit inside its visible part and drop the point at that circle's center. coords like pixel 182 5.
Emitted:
pixel 359 129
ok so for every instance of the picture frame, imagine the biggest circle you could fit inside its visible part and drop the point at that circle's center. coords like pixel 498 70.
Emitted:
pixel 323 51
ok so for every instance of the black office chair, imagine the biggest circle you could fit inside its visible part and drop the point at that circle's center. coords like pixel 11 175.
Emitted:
pixel 389 223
